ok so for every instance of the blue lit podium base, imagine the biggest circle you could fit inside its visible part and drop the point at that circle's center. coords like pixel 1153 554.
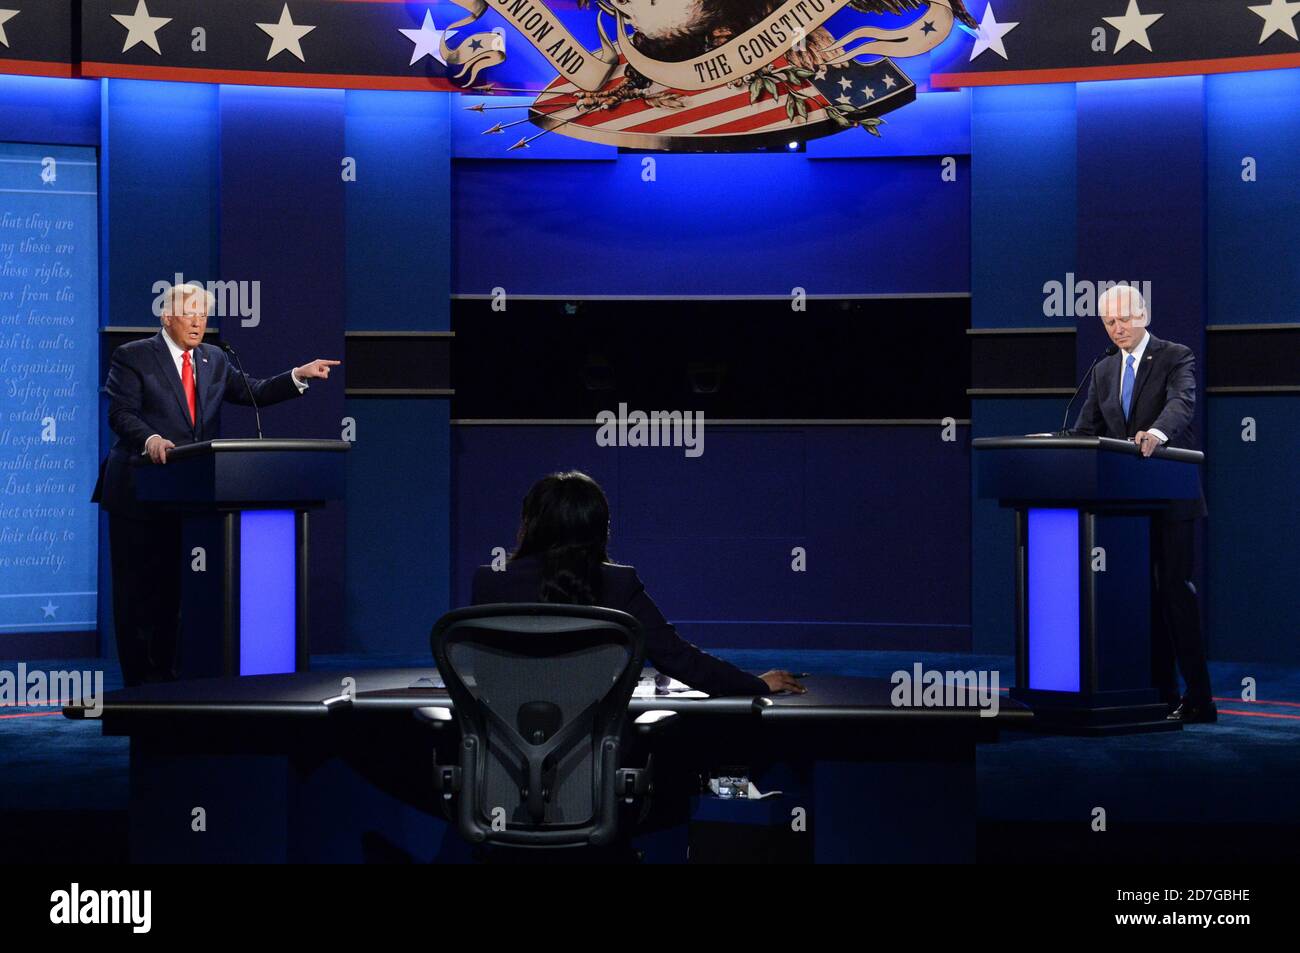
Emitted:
pixel 1084 610
pixel 245 530
pixel 246 612
pixel 1085 627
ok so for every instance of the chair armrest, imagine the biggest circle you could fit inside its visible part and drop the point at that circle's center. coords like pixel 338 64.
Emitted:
pixel 655 723
pixel 435 716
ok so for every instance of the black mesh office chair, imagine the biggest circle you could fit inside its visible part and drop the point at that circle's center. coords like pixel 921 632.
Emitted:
pixel 541 694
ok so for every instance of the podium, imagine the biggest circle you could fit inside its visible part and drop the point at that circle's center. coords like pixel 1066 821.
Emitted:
pixel 244 505
pixel 1084 604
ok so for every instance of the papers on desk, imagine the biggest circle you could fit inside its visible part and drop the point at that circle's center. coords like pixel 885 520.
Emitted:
pixel 649 686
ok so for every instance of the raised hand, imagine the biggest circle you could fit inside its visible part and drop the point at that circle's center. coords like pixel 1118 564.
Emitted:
pixel 319 368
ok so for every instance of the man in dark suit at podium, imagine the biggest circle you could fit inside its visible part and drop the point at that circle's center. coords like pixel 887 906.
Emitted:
pixel 1146 392
pixel 164 392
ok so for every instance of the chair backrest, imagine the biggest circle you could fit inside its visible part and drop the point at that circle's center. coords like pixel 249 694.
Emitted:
pixel 540 692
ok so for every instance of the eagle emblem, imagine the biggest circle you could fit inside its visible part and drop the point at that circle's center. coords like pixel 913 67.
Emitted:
pixel 723 75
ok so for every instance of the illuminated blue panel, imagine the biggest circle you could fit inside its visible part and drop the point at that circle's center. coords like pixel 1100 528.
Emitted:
pixel 1053 584
pixel 267 591
pixel 49 379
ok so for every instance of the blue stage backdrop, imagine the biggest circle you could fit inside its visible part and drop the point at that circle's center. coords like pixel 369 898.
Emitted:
pixel 48 375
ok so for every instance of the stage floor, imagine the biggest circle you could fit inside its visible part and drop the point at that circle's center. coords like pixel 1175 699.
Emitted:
pixel 1210 792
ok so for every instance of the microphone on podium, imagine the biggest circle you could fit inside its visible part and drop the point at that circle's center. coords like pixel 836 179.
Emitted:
pixel 257 414
pixel 1065 422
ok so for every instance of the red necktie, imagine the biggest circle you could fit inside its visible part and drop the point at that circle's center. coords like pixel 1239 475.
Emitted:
pixel 187 381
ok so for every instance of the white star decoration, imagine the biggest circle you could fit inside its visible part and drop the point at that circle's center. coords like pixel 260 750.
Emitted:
pixel 49 609
pixel 142 28
pixel 990 33
pixel 890 82
pixel 1279 17
pixel 5 17
pixel 1133 26
pixel 285 35
pixel 428 40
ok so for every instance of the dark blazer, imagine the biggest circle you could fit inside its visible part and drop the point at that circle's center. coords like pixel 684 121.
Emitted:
pixel 146 398
pixel 622 589
pixel 1164 398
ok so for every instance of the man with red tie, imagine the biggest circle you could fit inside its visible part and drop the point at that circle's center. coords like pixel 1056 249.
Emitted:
pixel 164 392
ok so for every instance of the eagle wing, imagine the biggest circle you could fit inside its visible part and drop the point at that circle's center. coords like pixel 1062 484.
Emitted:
pixel 902 6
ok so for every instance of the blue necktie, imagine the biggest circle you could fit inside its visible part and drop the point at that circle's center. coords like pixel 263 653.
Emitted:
pixel 1126 388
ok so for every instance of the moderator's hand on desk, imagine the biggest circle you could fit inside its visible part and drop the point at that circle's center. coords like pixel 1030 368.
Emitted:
pixel 157 446
pixel 782 681
pixel 319 368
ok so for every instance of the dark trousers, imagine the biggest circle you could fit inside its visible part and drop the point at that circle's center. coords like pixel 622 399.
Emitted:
pixel 1178 615
pixel 147 570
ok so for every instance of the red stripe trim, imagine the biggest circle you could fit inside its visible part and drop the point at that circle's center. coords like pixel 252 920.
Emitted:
pixel 1083 74
pixel 252 77
pixel 38 68
pixel 1258 714
pixel 1258 701
pixel 33 714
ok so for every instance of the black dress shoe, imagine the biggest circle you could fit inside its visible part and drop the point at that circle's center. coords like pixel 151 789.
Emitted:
pixel 1191 712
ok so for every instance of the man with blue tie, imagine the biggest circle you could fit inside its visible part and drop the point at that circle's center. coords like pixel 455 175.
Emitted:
pixel 165 391
pixel 1146 392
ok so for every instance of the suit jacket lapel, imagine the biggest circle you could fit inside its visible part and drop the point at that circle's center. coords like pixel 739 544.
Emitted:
pixel 1144 370
pixel 169 373
pixel 1111 408
pixel 202 367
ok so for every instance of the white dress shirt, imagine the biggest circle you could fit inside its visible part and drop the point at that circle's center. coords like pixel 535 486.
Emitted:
pixel 178 359
pixel 1137 353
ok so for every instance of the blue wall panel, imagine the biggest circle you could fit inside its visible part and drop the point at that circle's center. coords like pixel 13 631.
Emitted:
pixel 48 110
pixel 1254 226
pixel 1142 201
pixel 398 523
pixel 282 225
pixel 49 371
pixel 398 249
pixel 1023 201
pixel 398 211
pixel 734 224
pixel 161 162
pixel 882 512
pixel 1254 530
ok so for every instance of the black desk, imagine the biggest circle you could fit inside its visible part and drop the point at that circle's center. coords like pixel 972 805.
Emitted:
pixel 313 767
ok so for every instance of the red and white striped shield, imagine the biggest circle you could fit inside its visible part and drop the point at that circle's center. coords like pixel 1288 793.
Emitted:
pixel 719 118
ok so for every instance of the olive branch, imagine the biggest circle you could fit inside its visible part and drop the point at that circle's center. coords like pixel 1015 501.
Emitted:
pixel 768 82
